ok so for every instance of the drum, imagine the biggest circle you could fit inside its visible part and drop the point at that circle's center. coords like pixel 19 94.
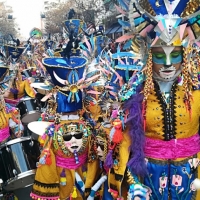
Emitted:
pixel 37 129
pixel 29 110
pixel 18 159
pixel 39 79
pixel 41 88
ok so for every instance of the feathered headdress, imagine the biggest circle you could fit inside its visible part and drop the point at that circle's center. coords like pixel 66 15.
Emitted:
pixel 163 22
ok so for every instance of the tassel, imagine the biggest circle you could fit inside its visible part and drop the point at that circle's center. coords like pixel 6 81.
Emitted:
pixel 114 193
pixel 44 136
pixel 48 159
pixel 42 139
pixel 76 157
pixel 114 114
pixel 63 180
pixel 117 137
pixel 84 175
pixel 74 193
pixel 109 159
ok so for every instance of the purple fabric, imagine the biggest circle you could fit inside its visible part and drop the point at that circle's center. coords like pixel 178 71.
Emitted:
pixel 109 160
pixel 135 125
pixel 14 91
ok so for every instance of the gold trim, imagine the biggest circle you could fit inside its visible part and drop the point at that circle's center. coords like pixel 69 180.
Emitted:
pixel 16 47
pixel 117 67
pixel 190 8
pixel 147 7
pixel 173 162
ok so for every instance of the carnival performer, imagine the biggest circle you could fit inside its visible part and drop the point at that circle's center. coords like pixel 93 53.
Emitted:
pixel 19 88
pixel 63 161
pixel 62 166
pixel 60 172
pixel 96 184
pixel 10 124
pixel 162 102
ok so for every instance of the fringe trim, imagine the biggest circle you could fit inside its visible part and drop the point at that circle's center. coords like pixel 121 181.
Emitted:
pixel 45 194
pixel 34 196
pixel 49 185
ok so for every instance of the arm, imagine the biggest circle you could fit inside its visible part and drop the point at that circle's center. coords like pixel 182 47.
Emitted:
pixel 28 89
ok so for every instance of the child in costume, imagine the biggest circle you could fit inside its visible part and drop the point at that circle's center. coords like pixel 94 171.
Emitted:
pixel 163 119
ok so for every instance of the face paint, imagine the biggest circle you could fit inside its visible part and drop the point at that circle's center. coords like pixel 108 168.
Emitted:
pixel 167 58
pixel 73 141
pixel 166 61
pixel 167 74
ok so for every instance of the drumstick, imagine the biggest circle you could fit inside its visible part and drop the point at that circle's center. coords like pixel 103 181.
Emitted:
pixel 18 118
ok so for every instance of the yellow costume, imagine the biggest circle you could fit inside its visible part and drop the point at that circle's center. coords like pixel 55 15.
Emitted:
pixel 163 109
pixel 24 88
pixel 8 120
pixel 58 167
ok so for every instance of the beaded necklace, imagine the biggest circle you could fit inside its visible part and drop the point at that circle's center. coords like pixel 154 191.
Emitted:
pixel 167 104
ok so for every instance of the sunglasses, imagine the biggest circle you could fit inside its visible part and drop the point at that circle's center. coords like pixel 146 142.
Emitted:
pixel 68 137
pixel 101 145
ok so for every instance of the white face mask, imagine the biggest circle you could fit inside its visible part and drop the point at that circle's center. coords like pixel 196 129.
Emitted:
pixel 74 144
pixel 100 149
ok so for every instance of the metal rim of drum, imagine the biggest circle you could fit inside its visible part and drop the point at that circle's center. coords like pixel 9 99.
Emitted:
pixel 19 177
pixel 14 141
pixel 24 99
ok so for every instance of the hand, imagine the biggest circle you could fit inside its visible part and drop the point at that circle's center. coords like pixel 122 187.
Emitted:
pixel 19 134
pixel 6 94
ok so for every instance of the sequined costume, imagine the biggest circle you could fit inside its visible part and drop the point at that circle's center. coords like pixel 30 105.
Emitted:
pixel 180 152
pixel 62 166
pixel 162 101
pixel 60 173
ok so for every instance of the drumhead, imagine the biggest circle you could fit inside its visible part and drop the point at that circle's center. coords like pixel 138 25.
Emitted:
pixel 41 86
pixel 30 116
pixel 41 91
pixel 38 127
pixel 31 79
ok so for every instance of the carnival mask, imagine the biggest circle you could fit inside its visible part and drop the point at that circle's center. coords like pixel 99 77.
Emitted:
pixel 100 143
pixel 167 61
pixel 73 141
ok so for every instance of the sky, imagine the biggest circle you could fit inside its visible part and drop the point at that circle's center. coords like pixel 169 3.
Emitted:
pixel 27 14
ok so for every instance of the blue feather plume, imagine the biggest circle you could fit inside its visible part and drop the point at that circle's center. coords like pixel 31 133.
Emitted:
pixel 127 45
pixel 124 23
